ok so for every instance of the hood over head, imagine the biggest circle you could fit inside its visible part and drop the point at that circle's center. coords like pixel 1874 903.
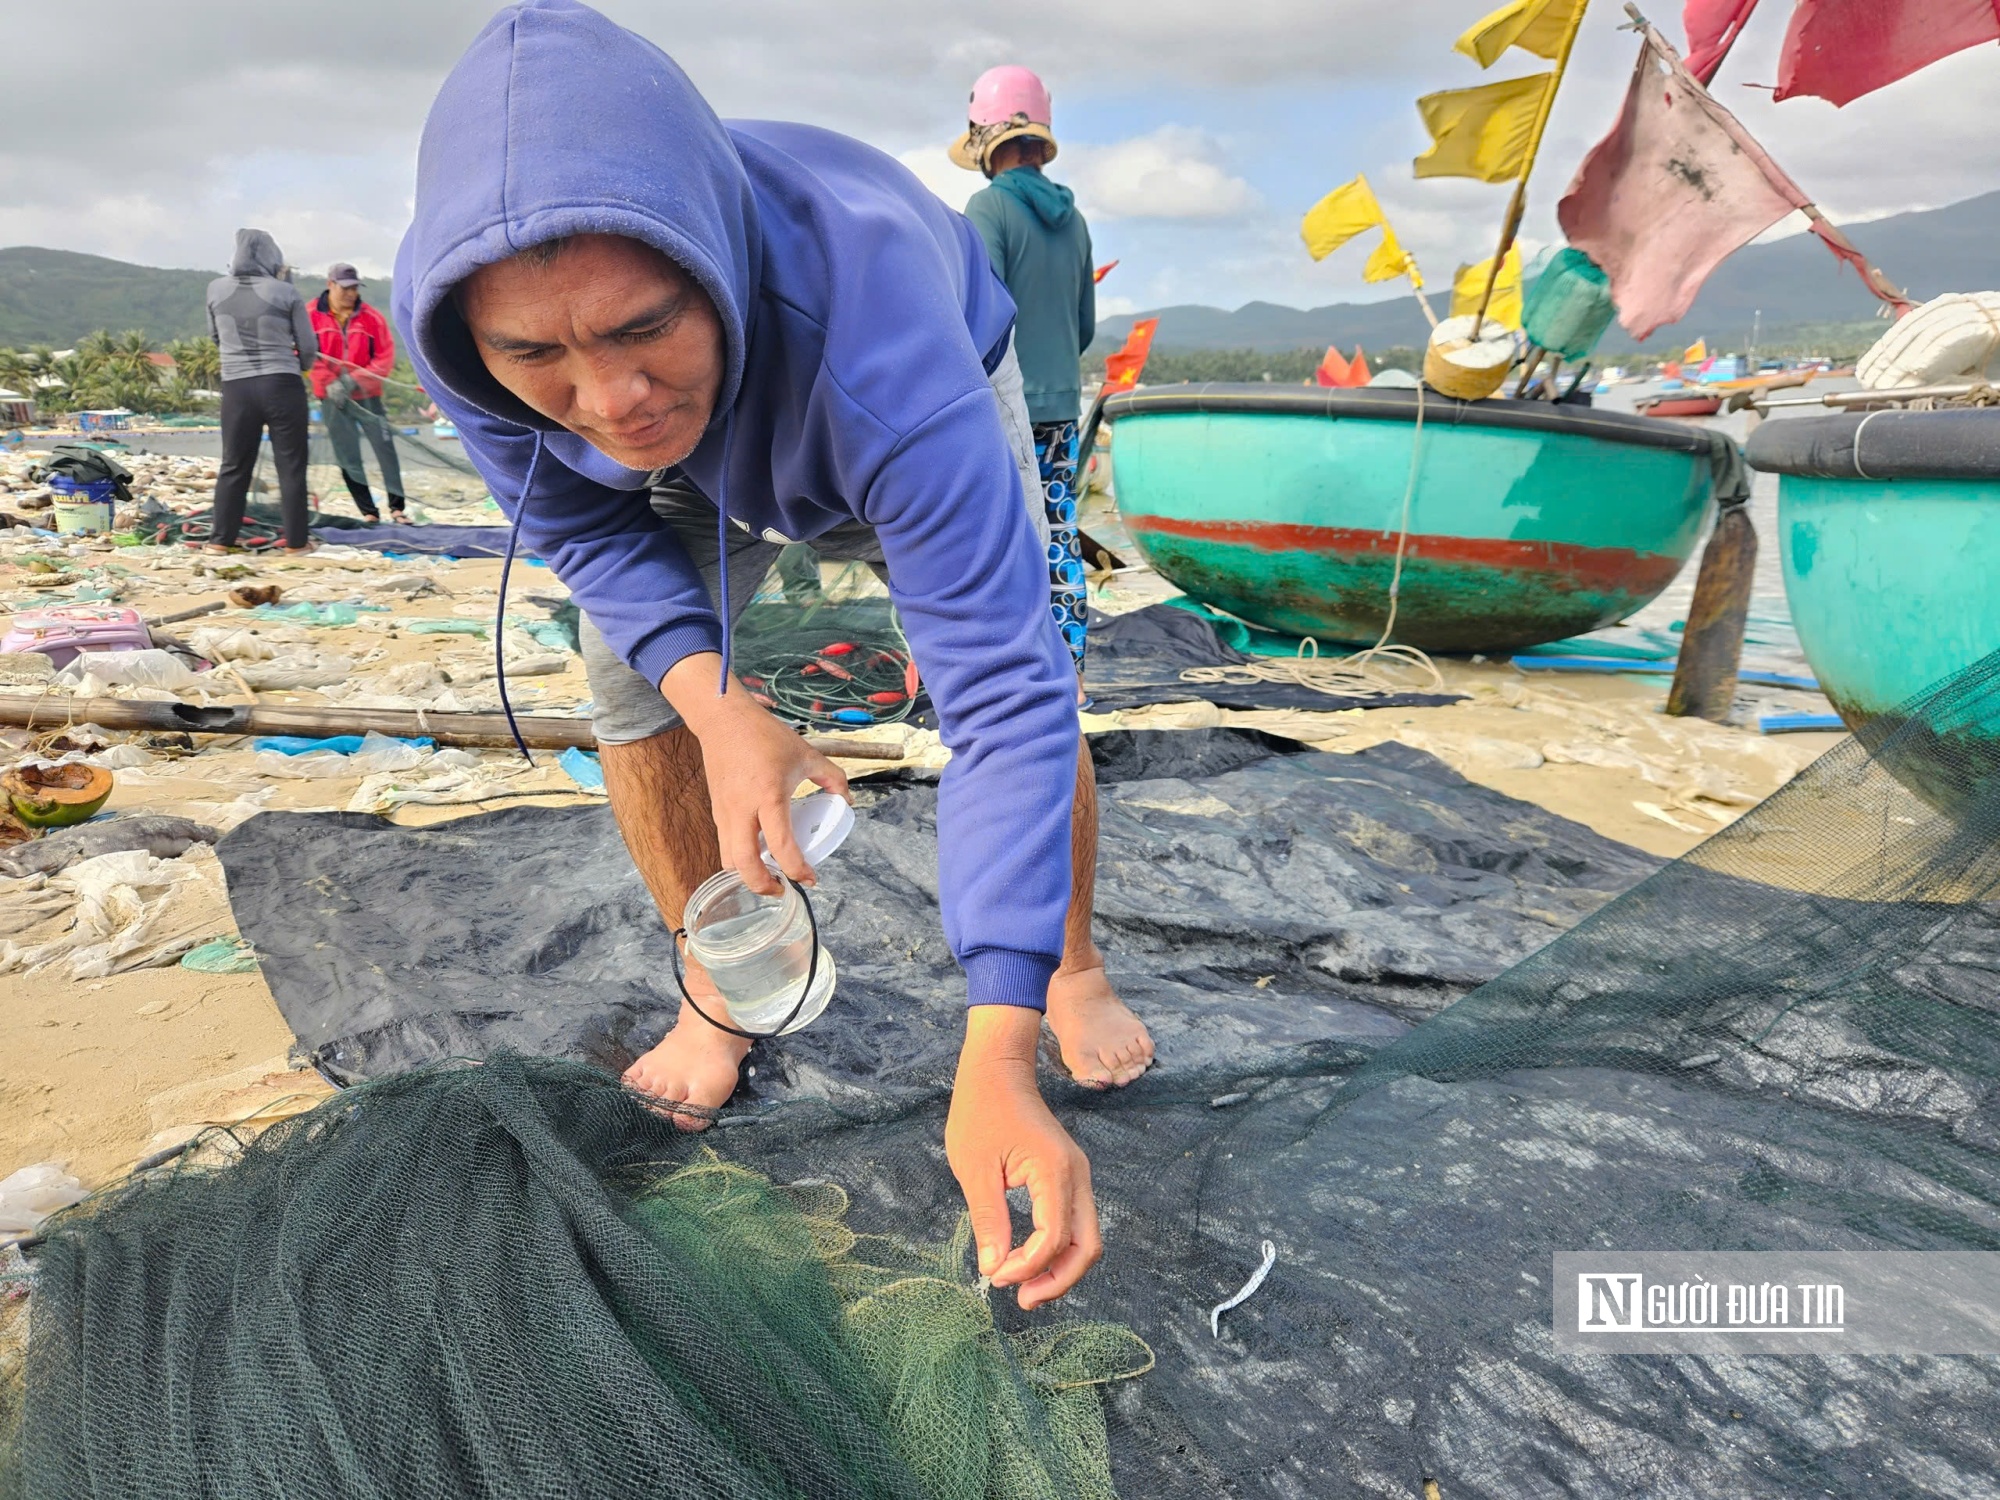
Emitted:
pixel 1052 202
pixel 555 122
pixel 257 254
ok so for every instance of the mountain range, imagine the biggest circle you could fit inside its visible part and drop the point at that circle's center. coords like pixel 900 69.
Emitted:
pixel 1793 282
pixel 55 297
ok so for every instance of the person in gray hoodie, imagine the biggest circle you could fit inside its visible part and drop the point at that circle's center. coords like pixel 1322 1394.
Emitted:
pixel 262 325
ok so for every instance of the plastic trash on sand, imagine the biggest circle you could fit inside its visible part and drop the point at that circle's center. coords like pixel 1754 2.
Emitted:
pixel 298 669
pixel 583 767
pixel 223 955
pixel 93 672
pixel 309 614
pixel 340 744
pixel 372 754
pixel 30 1195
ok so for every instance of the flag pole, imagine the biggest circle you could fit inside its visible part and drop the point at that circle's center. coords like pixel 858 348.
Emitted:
pixel 1519 204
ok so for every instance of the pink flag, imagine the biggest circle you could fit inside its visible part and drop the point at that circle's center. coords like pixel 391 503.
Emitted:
pixel 1712 28
pixel 1675 189
pixel 1842 49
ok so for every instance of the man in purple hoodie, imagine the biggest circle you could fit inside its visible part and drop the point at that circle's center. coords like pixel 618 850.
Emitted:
pixel 672 346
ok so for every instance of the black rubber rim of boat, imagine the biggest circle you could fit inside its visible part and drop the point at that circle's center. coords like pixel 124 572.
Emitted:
pixel 1392 404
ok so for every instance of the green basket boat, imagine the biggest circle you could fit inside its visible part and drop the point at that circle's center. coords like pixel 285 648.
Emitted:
pixel 1529 522
pixel 1889 531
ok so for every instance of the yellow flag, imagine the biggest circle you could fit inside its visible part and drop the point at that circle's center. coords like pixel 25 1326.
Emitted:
pixel 1348 210
pixel 1470 285
pixel 1482 133
pixel 1391 260
pixel 1696 352
pixel 1537 26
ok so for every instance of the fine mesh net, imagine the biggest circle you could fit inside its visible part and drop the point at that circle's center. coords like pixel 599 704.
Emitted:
pixel 513 1280
pixel 505 1280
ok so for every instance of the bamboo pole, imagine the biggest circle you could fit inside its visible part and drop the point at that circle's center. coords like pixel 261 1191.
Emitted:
pixel 465 729
pixel 1518 206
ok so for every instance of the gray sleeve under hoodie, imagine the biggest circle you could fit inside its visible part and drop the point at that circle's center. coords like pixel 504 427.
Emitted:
pixel 260 321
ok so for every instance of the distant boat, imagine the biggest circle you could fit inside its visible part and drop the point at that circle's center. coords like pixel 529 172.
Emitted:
pixel 1682 403
pixel 1529 521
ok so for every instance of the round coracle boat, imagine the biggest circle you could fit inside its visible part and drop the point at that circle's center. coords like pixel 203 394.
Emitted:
pixel 1527 521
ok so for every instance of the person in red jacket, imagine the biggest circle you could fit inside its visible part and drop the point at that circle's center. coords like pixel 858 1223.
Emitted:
pixel 356 350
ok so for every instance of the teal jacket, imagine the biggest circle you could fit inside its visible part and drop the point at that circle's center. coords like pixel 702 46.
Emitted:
pixel 1040 247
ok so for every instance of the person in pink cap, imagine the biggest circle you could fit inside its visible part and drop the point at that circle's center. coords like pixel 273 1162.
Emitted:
pixel 1040 248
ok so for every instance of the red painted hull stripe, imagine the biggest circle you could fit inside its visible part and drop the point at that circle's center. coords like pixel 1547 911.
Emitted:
pixel 1591 567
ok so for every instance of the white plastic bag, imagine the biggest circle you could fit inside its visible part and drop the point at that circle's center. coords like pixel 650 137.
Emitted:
pixel 92 673
pixel 298 669
pixel 30 1195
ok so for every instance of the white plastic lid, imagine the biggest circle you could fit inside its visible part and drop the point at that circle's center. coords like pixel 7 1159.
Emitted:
pixel 820 823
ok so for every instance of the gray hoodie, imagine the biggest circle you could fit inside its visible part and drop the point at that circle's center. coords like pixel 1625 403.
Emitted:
pixel 256 316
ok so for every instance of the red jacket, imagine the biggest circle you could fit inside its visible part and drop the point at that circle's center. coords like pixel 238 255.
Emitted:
pixel 367 350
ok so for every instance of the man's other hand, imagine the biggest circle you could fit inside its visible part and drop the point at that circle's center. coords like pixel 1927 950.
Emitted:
pixel 754 764
pixel 1000 1135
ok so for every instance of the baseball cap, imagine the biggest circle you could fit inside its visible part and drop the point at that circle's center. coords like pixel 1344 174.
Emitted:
pixel 340 273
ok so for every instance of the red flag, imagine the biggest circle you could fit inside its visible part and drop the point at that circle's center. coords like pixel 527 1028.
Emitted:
pixel 1712 28
pixel 1121 370
pixel 1675 189
pixel 1842 49
pixel 1336 370
pixel 1103 271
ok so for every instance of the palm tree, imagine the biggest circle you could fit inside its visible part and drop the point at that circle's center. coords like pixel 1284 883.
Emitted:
pixel 17 372
pixel 198 362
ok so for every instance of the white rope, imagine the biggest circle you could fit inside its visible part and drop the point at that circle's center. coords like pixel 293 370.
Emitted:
pixel 1857 444
pixel 1249 1290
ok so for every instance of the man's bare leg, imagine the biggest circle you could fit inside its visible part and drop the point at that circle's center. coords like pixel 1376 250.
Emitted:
pixel 1104 1045
pixel 659 794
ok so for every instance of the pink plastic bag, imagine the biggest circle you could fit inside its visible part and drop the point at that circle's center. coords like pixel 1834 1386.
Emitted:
pixel 62 632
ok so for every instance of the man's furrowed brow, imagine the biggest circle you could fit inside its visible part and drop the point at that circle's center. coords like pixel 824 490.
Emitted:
pixel 507 343
pixel 667 309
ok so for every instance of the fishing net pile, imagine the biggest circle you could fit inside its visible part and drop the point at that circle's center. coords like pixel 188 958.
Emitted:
pixel 512 1280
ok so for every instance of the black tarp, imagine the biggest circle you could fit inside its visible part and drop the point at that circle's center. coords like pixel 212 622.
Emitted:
pixel 1785 1041
pixel 1367 890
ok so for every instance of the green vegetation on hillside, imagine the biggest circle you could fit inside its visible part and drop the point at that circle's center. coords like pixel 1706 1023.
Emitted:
pixel 55 297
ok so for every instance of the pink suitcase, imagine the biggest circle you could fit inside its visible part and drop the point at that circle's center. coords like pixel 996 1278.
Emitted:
pixel 64 630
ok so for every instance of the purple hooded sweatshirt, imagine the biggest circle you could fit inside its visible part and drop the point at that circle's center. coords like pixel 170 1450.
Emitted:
pixel 861 318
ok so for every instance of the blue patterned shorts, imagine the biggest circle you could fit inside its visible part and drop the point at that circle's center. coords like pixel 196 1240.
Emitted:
pixel 1055 450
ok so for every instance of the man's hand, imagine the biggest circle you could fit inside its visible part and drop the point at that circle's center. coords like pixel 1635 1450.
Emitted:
pixel 1000 1135
pixel 341 391
pixel 754 764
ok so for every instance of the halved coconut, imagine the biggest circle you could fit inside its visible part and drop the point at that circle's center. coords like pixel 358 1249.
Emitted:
pixel 56 796
pixel 1469 369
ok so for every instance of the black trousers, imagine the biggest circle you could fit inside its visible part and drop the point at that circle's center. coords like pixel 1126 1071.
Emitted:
pixel 248 407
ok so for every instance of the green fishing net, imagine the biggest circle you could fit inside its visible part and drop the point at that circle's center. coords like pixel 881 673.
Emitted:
pixel 512 1280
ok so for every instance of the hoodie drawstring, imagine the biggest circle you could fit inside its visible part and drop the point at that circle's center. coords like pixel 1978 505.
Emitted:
pixel 722 551
pixel 500 612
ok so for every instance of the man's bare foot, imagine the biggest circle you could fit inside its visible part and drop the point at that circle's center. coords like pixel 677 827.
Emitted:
pixel 1104 1045
pixel 695 1064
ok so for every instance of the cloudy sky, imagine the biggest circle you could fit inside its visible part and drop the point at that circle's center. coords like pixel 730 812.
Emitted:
pixel 1195 133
